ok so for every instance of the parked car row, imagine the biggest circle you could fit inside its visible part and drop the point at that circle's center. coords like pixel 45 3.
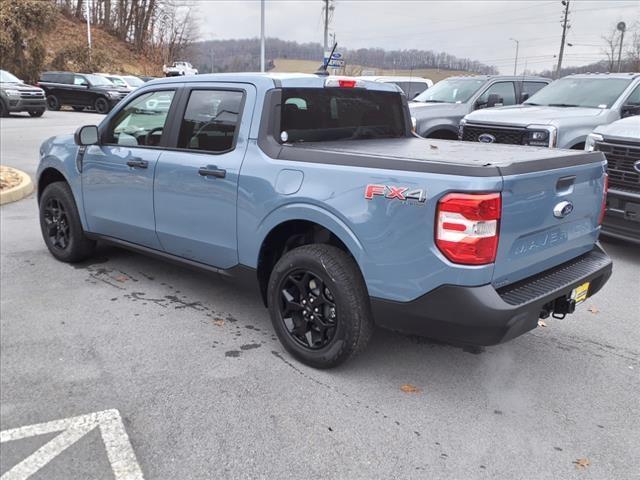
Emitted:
pixel 96 91
pixel 537 112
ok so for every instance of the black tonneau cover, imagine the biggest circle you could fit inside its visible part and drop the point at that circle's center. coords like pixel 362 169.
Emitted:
pixel 438 156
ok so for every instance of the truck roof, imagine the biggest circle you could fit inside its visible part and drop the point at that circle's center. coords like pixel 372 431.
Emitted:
pixel 521 78
pixel 625 75
pixel 269 80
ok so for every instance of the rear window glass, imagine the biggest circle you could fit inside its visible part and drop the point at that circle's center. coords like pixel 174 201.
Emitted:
pixel 324 114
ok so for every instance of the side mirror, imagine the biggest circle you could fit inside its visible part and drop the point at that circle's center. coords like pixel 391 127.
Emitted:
pixel 87 135
pixel 493 99
pixel 630 110
pixel 524 97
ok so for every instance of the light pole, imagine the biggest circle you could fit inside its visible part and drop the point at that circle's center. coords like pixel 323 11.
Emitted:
pixel 515 65
pixel 262 35
pixel 89 26
pixel 621 27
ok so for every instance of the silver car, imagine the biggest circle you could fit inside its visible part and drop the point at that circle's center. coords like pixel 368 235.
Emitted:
pixel 561 115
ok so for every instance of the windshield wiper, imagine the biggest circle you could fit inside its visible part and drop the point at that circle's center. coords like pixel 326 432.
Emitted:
pixel 562 105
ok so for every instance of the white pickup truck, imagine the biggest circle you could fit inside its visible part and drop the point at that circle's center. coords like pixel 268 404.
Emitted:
pixel 178 69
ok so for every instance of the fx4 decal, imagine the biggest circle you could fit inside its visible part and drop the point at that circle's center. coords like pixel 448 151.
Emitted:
pixel 395 193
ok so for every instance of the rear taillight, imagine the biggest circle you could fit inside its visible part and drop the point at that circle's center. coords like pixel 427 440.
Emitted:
pixel 603 206
pixel 467 227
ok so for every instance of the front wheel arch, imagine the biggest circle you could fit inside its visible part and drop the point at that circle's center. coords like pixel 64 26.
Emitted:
pixel 48 176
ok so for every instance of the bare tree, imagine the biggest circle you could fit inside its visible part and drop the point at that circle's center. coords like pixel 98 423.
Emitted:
pixel 611 42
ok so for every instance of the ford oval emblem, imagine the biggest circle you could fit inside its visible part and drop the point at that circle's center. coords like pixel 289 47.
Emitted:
pixel 636 166
pixel 562 209
pixel 486 138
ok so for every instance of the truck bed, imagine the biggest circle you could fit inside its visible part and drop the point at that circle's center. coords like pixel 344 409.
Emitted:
pixel 438 156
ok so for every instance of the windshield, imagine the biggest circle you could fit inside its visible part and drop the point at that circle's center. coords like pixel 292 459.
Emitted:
pixel 133 81
pixel 117 81
pixel 98 80
pixel 580 92
pixel 325 114
pixel 6 77
pixel 455 90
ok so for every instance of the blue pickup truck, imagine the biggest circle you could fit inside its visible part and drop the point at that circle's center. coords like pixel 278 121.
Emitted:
pixel 315 191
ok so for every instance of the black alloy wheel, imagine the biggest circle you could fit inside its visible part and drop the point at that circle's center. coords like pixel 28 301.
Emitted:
pixel 53 103
pixel 319 305
pixel 61 226
pixel 56 224
pixel 307 309
pixel 101 105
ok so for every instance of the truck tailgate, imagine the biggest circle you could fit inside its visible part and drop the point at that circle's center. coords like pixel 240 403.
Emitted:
pixel 548 217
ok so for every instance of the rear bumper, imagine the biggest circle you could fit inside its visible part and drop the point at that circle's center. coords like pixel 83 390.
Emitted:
pixel 622 219
pixel 487 316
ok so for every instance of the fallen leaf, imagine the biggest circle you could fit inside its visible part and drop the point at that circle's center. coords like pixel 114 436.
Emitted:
pixel 593 309
pixel 408 388
pixel 122 278
pixel 542 323
pixel 582 463
pixel 219 322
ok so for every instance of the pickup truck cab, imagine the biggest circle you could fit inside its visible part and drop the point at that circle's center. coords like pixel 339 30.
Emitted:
pixel 439 109
pixel 561 115
pixel 178 69
pixel 315 191
pixel 620 143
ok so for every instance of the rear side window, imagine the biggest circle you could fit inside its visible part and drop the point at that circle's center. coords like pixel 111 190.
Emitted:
pixel 141 122
pixel 504 90
pixel 80 80
pixel 324 114
pixel 529 88
pixel 411 89
pixel 211 120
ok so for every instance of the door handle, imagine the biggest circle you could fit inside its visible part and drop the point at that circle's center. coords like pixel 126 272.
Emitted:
pixel 212 172
pixel 137 163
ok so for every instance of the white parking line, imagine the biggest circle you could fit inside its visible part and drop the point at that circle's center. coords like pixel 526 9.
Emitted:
pixel 119 450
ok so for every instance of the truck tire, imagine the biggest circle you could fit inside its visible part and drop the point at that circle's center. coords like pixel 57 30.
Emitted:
pixel 53 103
pixel 101 105
pixel 319 305
pixel 4 111
pixel 60 224
pixel 36 113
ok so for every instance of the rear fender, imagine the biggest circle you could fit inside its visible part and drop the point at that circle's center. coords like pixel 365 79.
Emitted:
pixel 301 211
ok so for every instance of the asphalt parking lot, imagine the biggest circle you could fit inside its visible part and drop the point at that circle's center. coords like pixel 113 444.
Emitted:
pixel 186 379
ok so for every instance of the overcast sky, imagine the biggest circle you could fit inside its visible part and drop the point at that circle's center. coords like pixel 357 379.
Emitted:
pixel 478 29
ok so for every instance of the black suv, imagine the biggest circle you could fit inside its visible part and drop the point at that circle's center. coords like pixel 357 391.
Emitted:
pixel 80 91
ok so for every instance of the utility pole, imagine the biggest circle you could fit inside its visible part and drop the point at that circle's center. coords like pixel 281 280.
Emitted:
pixel 622 27
pixel 211 55
pixel 564 35
pixel 262 35
pixel 515 65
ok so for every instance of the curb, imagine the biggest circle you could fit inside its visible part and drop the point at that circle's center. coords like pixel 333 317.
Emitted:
pixel 23 189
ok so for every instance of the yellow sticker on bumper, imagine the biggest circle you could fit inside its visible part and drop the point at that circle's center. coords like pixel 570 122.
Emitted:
pixel 579 294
